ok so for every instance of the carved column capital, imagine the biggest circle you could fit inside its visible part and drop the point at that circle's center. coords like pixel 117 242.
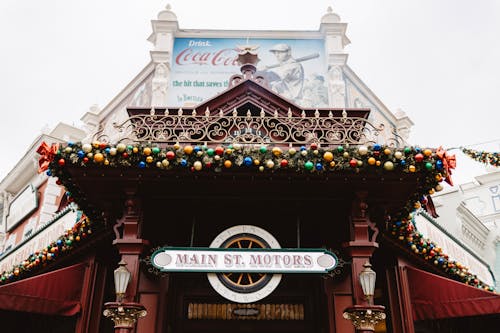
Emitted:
pixel 365 318
pixel 124 315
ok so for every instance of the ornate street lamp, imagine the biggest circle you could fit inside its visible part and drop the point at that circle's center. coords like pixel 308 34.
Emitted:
pixel 366 317
pixel 123 314
pixel 122 278
pixel 367 279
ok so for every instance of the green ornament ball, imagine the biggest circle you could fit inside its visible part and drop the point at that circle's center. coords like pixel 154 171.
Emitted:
pixel 263 149
pixel 308 165
pixel 428 166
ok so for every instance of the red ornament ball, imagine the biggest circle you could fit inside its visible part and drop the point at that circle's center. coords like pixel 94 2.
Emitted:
pixel 284 163
pixel 219 151
pixel 125 155
pixel 353 163
pixel 419 157
pixel 85 159
pixel 314 146
pixel 61 162
pixel 170 155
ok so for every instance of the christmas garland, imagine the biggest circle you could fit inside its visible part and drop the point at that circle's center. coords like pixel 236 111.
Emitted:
pixel 405 231
pixel 491 158
pixel 41 258
pixel 434 166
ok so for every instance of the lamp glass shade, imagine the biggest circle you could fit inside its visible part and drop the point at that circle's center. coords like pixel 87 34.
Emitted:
pixel 122 278
pixel 367 279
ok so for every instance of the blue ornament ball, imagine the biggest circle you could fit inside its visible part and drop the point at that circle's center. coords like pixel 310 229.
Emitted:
pixel 439 164
pixel 184 162
pixel 248 161
pixel 319 166
pixel 81 154
pixel 196 149
pixel 59 242
pixel 440 260
pixel 49 173
pixel 302 148
pixel 142 164
pixel 377 147
pixel 402 162
pixel 107 150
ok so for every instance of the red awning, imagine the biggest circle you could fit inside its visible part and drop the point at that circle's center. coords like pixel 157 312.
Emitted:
pixel 435 297
pixel 54 293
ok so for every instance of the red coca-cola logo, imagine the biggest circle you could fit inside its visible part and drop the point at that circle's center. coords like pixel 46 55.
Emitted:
pixel 222 57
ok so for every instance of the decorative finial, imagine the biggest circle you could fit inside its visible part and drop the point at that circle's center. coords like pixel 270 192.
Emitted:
pixel 248 59
pixel 329 10
pixel 168 7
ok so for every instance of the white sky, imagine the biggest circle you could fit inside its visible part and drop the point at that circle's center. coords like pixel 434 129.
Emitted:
pixel 438 60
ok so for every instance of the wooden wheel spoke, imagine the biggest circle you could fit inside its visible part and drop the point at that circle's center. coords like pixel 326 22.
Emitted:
pixel 239 278
pixel 239 244
pixel 250 278
pixel 250 244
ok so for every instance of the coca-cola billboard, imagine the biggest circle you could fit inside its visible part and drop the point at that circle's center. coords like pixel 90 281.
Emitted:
pixel 201 67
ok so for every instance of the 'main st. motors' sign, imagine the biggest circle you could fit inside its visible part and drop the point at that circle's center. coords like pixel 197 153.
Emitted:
pixel 219 260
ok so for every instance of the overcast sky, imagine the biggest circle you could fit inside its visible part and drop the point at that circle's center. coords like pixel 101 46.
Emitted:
pixel 438 60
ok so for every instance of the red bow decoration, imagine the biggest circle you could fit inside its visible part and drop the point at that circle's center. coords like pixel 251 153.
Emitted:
pixel 47 155
pixel 449 162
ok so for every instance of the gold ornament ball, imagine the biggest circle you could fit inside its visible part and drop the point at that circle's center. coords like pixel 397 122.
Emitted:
pixel 378 163
pixel 372 161
pixel 158 164
pixel 427 152
pixel 112 151
pixel 199 153
pixel 188 150
pixel 363 150
pixel 98 158
pixel 106 162
pixel 135 150
pixel 398 155
pixel 389 166
pixel 412 168
pixel 68 150
pixel 120 147
pixel 176 146
pixel 360 163
pixel 328 156
pixel 146 151
pixel 90 155
pixel 198 166
pixel 229 151
pixel 303 152
pixel 291 151
pixel 216 157
pixel 438 187
pixel 149 159
pixel 256 162
pixel 276 151
pixel 269 164
pixel 237 146
pixel 315 152
pixel 261 168
pixel 87 148
pixel 165 163
pixel 228 163
pixel 431 191
pixel 96 144
pixel 346 154
pixel 332 164
pixel 387 151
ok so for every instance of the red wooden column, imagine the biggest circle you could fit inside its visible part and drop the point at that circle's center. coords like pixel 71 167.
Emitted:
pixel 125 312
pixel 130 245
pixel 361 246
pixel 363 315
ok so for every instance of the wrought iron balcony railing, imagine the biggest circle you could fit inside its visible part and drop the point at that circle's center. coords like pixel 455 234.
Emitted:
pixel 323 128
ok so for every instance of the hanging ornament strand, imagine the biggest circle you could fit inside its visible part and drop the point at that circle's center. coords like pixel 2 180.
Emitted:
pixel 491 158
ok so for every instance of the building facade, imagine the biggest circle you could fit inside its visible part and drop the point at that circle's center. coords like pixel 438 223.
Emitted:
pixel 239 185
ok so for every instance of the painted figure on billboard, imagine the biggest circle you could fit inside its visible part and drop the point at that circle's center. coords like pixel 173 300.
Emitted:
pixel 294 68
pixel 286 77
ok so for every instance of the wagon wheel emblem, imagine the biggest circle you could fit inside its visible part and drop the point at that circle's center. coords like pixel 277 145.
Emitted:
pixel 244 281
